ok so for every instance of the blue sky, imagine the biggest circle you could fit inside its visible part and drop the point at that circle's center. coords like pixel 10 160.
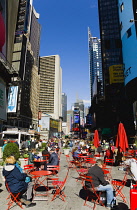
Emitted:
pixel 65 32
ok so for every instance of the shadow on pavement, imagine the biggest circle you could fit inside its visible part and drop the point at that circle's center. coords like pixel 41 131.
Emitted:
pixel 121 206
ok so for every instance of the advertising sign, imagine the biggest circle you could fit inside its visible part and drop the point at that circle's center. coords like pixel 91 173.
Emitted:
pixel 44 123
pixel 127 13
pixel 116 74
pixel 3 105
pixel 12 98
pixel 76 119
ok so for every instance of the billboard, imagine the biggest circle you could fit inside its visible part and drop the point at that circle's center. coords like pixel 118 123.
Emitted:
pixel 12 98
pixel 76 119
pixel 116 74
pixel 127 13
pixel 3 105
pixel 44 123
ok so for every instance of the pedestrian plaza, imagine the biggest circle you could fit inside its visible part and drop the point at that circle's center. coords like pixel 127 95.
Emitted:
pixel 73 190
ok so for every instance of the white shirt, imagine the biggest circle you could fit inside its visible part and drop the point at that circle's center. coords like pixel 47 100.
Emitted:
pixel 133 167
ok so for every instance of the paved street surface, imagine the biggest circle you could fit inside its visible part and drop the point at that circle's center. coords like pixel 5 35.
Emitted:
pixel 72 191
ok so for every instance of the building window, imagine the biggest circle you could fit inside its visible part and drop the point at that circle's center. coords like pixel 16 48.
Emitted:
pixel 121 7
pixel 129 33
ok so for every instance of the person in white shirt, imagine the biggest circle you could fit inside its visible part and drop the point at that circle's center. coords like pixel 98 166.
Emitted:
pixel 131 164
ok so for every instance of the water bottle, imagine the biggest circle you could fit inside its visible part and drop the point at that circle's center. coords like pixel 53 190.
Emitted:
pixel 131 185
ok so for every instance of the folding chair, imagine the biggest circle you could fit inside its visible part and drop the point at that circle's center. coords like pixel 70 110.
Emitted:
pixel 80 172
pixel 28 168
pixel 89 162
pixel 46 157
pixel 118 186
pixel 54 168
pixel 106 169
pixel 71 163
pixel 59 188
pixel 94 195
pixel 13 198
pixel 109 161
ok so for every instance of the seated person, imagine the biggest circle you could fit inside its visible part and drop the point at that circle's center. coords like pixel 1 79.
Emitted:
pixel 46 153
pixel 99 149
pixel 108 154
pixel 53 160
pixel 84 150
pixel 75 153
pixel 16 181
pixel 32 157
pixel 118 157
pixel 99 181
pixel 131 166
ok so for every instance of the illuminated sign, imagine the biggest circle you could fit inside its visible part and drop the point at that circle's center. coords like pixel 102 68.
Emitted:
pixel 12 98
pixel 116 74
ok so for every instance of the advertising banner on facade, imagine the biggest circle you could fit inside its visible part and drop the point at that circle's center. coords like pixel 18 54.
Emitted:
pixel 12 98
pixel 44 123
pixel 3 105
pixel 116 74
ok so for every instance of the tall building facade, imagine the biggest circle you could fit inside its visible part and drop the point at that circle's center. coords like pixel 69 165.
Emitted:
pixel 116 105
pixel 128 23
pixel 25 62
pixel 64 107
pixel 50 98
pixel 95 65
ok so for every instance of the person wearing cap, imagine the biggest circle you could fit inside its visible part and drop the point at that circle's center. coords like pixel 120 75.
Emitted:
pixel 53 160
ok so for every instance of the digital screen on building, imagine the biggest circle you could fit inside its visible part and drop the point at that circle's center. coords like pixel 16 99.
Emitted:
pixel 76 119
pixel 129 39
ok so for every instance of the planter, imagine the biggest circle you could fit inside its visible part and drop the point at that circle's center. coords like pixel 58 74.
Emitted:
pixel 66 151
pixel 22 160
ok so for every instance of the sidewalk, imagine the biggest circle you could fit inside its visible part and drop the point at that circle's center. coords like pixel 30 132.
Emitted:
pixel 72 190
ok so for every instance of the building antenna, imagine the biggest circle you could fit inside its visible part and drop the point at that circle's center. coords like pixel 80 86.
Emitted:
pixel 77 99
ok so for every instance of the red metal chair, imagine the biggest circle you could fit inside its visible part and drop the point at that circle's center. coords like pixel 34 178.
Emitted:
pixel 71 163
pixel 118 186
pixel 29 168
pixel 46 157
pixel 54 169
pixel 109 161
pixel 13 198
pixel 81 171
pixel 95 196
pixel 89 162
pixel 59 188
pixel 109 170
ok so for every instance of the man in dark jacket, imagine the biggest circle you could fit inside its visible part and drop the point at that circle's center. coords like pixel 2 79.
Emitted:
pixel 17 181
pixel 53 160
pixel 99 181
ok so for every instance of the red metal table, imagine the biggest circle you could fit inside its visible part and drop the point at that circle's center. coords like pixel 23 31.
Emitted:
pixel 40 177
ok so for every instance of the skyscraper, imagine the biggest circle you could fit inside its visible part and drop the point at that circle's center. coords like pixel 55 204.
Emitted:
pixel 95 65
pixel 25 62
pixel 116 104
pixel 64 107
pixel 111 47
pixel 50 86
